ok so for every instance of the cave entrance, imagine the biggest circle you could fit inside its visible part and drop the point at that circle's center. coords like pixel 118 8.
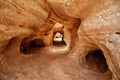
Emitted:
pixel 96 61
pixel 27 46
pixel 58 39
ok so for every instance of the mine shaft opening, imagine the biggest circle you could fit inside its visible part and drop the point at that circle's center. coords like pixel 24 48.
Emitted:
pixel 96 61
pixel 27 46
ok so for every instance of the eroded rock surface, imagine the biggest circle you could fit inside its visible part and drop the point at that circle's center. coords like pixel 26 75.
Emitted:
pixel 59 39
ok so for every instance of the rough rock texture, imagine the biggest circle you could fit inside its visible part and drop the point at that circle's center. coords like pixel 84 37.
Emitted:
pixel 86 48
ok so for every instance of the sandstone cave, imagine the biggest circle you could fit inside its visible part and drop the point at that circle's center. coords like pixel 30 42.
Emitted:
pixel 59 39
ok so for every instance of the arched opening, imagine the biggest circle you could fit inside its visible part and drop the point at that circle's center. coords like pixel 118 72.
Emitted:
pixel 26 46
pixel 58 39
pixel 96 61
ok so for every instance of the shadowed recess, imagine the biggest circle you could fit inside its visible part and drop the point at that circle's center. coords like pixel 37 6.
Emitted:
pixel 36 43
pixel 96 61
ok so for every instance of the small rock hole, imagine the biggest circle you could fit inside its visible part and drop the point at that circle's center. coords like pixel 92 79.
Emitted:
pixel 117 33
pixel 36 43
pixel 96 61
pixel 58 39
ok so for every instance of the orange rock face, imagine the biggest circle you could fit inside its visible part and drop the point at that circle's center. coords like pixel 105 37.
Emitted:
pixel 59 39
